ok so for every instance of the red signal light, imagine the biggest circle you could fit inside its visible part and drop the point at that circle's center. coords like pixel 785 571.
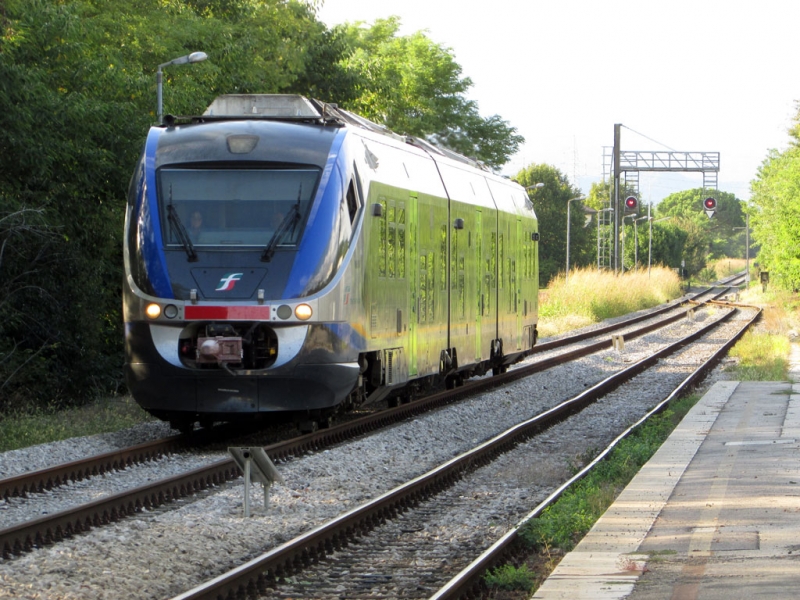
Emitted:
pixel 631 202
pixel 710 203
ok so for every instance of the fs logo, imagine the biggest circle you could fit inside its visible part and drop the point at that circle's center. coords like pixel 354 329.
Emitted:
pixel 226 283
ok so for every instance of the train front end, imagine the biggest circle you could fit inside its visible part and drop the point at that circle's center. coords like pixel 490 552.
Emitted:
pixel 236 242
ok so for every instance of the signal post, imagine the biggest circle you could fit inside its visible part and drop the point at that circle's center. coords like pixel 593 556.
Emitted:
pixel 631 163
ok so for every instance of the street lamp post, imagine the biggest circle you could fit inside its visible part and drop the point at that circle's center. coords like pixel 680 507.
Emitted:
pixel 566 273
pixel 194 57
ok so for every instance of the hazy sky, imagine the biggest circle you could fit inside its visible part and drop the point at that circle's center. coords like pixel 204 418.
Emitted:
pixel 686 75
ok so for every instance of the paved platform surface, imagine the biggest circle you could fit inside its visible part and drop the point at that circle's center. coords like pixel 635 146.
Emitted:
pixel 715 514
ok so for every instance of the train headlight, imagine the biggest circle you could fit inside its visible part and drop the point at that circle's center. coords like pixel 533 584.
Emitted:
pixel 153 311
pixel 170 311
pixel 303 312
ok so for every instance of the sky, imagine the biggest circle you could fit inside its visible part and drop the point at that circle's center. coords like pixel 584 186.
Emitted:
pixel 681 75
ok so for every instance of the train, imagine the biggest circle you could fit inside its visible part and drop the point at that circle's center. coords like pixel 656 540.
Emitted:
pixel 286 258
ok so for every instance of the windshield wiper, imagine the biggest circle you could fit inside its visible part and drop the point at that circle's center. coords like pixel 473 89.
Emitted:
pixel 181 233
pixel 288 224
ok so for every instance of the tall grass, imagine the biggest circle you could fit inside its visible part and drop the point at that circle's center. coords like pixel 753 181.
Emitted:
pixel 591 296
pixel 763 353
pixel 725 267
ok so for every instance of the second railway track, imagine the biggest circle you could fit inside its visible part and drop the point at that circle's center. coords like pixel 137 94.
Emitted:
pixel 38 480
pixel 303 504
pixel 415 553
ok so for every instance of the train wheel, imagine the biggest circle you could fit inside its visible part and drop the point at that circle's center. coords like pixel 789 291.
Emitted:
pixel 499 370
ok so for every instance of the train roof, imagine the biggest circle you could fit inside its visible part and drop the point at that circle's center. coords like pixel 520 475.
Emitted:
pixel 297 108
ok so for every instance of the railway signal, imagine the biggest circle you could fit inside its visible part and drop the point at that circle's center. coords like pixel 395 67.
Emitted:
pixel 631 203
pixel 710 205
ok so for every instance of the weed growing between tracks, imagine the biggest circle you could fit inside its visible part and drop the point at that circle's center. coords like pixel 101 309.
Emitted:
pixel 20 431
pixel 564 523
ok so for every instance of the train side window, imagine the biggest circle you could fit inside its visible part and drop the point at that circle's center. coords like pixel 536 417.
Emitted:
pixel 383 239
pixel 352 201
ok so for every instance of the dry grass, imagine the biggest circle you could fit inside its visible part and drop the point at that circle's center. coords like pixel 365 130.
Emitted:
pixel 725 267
pixel 591 296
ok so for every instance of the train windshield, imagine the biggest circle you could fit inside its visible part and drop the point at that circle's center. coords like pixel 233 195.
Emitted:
pixel 233 207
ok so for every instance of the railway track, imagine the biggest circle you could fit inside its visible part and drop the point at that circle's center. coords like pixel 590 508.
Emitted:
pixel 41 480
pixel 397 545
pixel 224 497
pixel 54 527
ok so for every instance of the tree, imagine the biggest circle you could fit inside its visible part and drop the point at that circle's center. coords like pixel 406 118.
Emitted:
pixel 77 92
pixel 722 238
pixel 77 95
pixel 415 87
pixel 668 244
pixel 550 204
pixel 776 216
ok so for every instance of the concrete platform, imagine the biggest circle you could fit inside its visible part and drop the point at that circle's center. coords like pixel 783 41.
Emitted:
pixel 715 514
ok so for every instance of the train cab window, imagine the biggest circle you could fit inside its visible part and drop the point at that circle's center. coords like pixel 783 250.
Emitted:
pixel 234 207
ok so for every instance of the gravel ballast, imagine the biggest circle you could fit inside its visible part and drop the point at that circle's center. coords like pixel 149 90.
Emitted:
pixel 161 553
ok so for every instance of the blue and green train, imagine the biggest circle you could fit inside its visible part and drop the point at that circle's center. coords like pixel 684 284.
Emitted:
pixel 284 257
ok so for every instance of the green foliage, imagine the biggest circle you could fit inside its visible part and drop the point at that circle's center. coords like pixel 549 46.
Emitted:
pixel 77 88
pixel 414 86
pixel 550 204
pixel 707 275
pixel 78 93
pixel 762 357
pixel 509 577
pixel 669 240
pixel 776 216
pixel 709 238
pixel 51 423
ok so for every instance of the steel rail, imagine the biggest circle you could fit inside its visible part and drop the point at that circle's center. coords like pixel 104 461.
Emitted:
pixel 38 481
pixel 52 528
pixel 469 582
pixel 116 460
pixel 258 574
pixel 571 339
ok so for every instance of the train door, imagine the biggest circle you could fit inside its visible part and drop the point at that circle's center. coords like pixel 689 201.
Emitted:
pixel 478 265
pixel 413 282
pixel 431 314
pixel 508 286
pixel 462 324
pixel 516 278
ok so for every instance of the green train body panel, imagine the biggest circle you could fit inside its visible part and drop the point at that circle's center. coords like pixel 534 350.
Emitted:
pixel 450 263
